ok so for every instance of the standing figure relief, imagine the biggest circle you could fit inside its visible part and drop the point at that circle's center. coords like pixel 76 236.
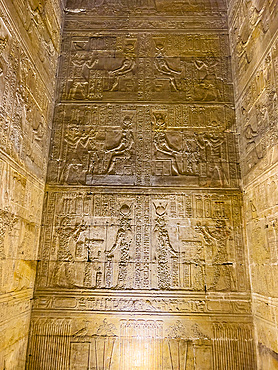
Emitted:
pixel 80 76
pixel 120 253
pixel 165 251
pixel 217 238
pixel 66 233
pixel 208 79
pixel 75 143
pixel 214 146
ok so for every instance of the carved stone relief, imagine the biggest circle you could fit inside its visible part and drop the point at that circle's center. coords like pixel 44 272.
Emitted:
pixel 141 242
pixel 105 144
pixel 257 111
pixel 135 343
pixel 146 66
pixel 253 30
pixel 102 7
pixel 29 43
pixel 25 100
pixel 100 241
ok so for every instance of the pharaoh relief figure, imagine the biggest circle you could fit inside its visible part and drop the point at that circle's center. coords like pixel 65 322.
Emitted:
pixel 208 79
pixel 106 160
pixel 66 234
pixel 213 145
pixel 216 238
pixel 80 77
pixel 76 141
pixel 183 160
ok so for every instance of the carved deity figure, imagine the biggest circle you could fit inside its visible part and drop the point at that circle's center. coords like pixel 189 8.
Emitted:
pixel 107 160
pixel 184 160
pixel 162 65
pixel 122 245
pixel 163 146
pixel 217 238
pixel 127 66
pixel 123 149
pixel 164 250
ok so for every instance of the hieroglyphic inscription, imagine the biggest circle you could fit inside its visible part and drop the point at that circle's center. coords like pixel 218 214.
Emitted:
pixel 163 304
pixel 254 45
pixel 104 144
pixel 29 47
pixel 109 68
pixel 101 241
pixel 142 222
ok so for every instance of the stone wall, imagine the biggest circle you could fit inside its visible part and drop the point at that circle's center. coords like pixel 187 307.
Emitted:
pixel 142 263
pixel 29 48
pixel 254 44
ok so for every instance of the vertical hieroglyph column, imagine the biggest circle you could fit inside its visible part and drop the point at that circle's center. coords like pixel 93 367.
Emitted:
pixel 254 45
pixel 29 47
pixel 141 242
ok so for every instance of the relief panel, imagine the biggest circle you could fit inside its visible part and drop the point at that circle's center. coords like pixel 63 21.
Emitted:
pixel 157 7
pixel 253 33
pixel 141 260
pixel 144 66
pixel 25 108
pixel 257 118
pixel 29 43
pixel 178 145
pixel 152 343
pixel 126 241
